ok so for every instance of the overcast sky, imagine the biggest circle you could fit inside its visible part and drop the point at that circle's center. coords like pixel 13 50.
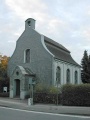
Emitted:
pixel 65 21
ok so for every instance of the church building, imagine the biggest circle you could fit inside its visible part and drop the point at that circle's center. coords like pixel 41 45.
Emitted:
pixel 39 59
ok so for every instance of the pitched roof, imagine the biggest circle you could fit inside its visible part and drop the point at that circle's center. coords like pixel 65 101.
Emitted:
pixel 52 42
pixel 59 51
pixel 26 71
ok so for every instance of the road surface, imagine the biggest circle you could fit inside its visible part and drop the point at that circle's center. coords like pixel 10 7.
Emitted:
pixel 17 114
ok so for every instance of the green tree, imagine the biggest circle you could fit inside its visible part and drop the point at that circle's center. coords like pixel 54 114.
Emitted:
pixel 85 73
pixel 89 69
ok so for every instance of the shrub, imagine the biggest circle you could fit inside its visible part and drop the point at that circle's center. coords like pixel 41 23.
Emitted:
pixel 40 88
pixel 76 95
pixel 47 98
pixel 45 94
pixel 53 90
pixel 39 97
pixel 4 94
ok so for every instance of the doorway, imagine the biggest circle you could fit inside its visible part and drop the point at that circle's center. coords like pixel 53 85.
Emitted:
pixel 17 88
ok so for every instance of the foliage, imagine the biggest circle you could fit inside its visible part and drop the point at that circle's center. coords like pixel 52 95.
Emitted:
pixel 40 88
pixel 85 72
pixel 53 90
pixel 3 67
pixel 4 94
pixel 46 94
pixel 47 98
pixel 76 95
pixel 46 89
pixel 70 95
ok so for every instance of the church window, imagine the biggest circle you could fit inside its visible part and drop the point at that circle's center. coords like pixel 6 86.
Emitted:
pixel 76 77
pixel 17 73
pixel 68 76
pixel 58 75
pixel 29 23
pixel 27 56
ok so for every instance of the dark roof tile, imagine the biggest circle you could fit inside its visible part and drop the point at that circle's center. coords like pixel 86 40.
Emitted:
pixel 59 51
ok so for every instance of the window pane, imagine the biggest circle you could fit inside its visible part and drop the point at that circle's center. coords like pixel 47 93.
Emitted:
pixel 76 77
pixel 27 55
pixel 68 76
pixel 58 75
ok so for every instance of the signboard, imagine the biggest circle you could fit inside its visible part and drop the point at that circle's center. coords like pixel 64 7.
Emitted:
pixel 4 89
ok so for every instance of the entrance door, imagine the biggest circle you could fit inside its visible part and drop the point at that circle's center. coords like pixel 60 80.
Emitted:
pixel 17 88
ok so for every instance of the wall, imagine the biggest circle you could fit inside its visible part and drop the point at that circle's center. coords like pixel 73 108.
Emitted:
pixel 64 66
pixel 40 59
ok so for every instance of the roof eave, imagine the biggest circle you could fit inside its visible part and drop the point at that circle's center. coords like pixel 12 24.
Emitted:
pixel 76 64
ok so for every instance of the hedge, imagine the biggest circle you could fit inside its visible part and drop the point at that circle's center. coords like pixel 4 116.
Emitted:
pixel 4 94
pixel 47 98
pixel 76 95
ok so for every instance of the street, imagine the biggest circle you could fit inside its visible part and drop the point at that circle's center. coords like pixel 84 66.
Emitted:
pixel 17 114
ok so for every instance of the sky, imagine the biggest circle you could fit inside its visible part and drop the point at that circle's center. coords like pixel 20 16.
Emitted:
pixel 65 21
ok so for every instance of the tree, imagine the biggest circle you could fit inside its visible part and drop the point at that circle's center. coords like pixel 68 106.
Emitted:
pixel 85 72
pixel 3 67
pixel 89 69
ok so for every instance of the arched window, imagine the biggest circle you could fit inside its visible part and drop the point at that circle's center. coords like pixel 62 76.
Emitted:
pixel 76 77
pixel 27 56
pixel 58 75
pixel 68 76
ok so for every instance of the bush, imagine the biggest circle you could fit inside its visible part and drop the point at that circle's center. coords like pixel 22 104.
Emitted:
pixel 47 98
pixel 4 94
pixel 45 94
pixel 39 97
pixel 76 95
pixel 53 90
pixel 40 88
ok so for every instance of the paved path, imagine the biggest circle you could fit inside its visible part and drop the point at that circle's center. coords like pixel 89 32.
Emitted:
pixel 23 104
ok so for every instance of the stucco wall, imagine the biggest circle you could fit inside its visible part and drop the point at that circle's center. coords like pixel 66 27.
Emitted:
pixel 64 66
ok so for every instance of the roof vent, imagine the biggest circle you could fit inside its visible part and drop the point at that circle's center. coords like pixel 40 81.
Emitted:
pixel 30 22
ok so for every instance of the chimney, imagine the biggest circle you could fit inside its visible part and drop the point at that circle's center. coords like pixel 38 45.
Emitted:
pixel 30 22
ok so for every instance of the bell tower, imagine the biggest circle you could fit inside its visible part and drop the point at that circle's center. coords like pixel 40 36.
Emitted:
pixel 30 22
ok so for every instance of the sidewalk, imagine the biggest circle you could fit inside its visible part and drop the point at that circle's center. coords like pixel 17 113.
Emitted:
pixel 23 104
